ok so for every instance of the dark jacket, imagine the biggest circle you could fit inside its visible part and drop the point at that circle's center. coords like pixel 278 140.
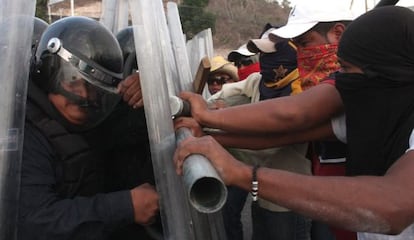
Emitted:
pixel 67 193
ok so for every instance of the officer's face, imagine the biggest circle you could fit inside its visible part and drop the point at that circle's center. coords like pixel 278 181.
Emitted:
pixel 70 109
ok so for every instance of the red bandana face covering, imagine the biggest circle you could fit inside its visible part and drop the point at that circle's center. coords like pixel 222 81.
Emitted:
pixel 316 63
pixel 247 70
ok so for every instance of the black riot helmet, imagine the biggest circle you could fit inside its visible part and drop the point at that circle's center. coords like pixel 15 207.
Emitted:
pixel 125 38
pixel 80 59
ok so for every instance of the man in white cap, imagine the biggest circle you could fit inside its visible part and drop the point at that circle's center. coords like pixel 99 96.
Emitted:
pixel 316 31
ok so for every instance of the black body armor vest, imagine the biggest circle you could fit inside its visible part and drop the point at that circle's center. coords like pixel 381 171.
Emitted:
pixel 77 167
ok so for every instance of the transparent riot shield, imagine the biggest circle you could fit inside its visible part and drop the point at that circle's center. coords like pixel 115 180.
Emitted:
pixel 16 23
pixel 160 80
pixel 114 14
pixel 151 45
pixel 185 76
pixel 205 190
pixel 200 46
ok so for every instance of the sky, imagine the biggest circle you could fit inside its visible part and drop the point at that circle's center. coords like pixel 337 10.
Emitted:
pixel 360 7
pixel 405 3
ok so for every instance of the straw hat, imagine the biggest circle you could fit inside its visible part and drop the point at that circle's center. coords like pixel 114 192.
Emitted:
pixel 221 65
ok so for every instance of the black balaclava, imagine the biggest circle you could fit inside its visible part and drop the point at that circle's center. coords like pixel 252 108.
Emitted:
pixel 379 103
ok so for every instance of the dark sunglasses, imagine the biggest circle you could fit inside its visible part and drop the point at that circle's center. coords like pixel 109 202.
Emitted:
pixel 218 80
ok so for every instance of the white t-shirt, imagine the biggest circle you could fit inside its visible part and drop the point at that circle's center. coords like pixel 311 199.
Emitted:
pixel 407 234
pixel 339 129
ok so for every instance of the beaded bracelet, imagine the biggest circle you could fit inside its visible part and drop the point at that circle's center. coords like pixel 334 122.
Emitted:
pixel 255 183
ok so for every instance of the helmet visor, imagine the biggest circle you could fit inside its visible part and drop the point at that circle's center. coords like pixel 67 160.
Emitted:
pixel 92 99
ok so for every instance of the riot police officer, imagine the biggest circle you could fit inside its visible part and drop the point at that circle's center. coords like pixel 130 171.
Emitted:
pixel 66 192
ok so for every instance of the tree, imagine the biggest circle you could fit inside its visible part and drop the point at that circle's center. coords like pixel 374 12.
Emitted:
pixel 194 18
pixel 41 9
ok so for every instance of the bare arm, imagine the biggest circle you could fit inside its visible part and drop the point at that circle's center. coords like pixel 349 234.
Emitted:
pixel 382 204
pixel 298 112
pixel 262 141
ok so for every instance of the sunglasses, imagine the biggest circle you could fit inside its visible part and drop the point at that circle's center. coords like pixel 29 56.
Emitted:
pixel 218 80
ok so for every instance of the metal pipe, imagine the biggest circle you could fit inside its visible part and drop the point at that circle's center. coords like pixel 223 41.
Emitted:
pixel 206 191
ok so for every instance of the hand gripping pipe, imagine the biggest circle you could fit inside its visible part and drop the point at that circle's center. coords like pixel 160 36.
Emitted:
pixel 206 191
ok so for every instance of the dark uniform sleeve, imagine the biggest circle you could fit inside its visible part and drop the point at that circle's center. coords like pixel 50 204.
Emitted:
pixel 44 215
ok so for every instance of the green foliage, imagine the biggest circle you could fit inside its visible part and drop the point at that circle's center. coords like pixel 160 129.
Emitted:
pixel 194 18
pixel 196 3
pixel 41 9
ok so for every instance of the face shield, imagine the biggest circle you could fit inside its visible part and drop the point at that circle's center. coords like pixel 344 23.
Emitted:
pixel 84 84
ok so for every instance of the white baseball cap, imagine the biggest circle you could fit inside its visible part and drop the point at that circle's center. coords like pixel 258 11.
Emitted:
pixel 242 50
pixel 264 44
pixel 306 14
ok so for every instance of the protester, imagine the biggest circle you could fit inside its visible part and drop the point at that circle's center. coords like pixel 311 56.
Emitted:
pixel 245 61
pixel 66 192
pixel 221 72
pixel 317 31
pixel 278 77
pixel 375 86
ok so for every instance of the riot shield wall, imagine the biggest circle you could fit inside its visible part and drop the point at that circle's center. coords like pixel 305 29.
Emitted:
pixel 160 79
pixel 154 69
pixel 200 46
pixel 185 76
pixel 205 190
pixel 16 23
pixel 114 14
